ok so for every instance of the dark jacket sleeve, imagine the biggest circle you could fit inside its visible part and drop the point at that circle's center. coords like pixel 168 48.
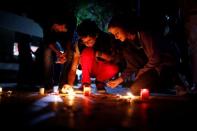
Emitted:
pixel 133 59
pixel 151 52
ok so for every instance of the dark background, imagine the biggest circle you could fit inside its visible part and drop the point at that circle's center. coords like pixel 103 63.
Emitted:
pixel 153 12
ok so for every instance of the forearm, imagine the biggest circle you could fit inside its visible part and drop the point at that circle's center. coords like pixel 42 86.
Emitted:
pixel 103 56
pixel 151 51
pixel 72 72
pixel 54 49
pixel 71 77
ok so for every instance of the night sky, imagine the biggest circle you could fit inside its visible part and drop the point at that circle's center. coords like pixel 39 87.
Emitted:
pixel 37 9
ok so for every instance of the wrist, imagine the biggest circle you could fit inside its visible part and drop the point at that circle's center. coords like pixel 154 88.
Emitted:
pixel 120 79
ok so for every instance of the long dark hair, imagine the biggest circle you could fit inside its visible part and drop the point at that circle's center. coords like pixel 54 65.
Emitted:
pixel 128 23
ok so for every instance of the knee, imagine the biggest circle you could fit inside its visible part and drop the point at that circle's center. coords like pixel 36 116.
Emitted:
pixel 135 89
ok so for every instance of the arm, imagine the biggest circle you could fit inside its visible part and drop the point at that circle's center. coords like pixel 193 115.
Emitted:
pixel 151 52
pixel 54 49
pixel 115 83
pixel 72 72
pixel 75 62
pixel 61 56
pixel 103 56
pixel 127 72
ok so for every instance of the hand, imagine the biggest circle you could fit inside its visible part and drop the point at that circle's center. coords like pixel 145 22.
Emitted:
pixel 61 58
pixel 67 88
pixel 114 83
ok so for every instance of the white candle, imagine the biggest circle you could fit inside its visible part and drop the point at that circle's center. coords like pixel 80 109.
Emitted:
pixel 55 89
pixel 41 91
pixel 1 90
pixel 86 90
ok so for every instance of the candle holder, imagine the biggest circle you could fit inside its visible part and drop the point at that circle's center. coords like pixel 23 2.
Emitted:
pixel 86 90
pixel 144 94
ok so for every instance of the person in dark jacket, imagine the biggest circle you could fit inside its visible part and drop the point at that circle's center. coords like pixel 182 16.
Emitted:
pixel 140 53
pixel 58 40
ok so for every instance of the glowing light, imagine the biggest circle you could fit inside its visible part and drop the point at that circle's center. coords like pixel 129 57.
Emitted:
pixel 15 49
pixel 71 100
pixel 86 90
pixel 128 96
pixel 144 94
pixel 41 91
pixel 55 89
pixel 1 89
pixel 67 89
pixel 45 101
pixel 71 94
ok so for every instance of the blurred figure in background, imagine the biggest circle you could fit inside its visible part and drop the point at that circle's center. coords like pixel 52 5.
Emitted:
pixel 59 39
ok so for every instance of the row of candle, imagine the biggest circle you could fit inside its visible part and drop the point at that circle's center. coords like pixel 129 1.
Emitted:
pixel 144 94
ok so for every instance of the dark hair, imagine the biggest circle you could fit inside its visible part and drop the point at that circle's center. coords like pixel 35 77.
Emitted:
pixel 127 23
pixel 87 28
pixel 63 18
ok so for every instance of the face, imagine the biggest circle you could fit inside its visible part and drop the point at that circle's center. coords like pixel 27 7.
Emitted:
pixel 59 28
pixel 119 33
pixel 89 41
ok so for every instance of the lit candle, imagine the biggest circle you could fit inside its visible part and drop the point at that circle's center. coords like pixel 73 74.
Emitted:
pixel 41 91
pixel 1 90
pixel 86 90
pixel 55 89
pixel 144 94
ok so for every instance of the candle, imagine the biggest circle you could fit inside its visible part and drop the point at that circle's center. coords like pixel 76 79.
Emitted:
pixel 144 94
pixel 55 89
pixel 41 91
pixel 86 90
pixel 1 90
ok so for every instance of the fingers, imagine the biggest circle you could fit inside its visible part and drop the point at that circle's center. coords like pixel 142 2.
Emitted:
pixel 111 84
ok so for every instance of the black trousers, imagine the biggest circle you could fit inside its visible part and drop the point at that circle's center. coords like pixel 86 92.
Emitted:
pixel 149 80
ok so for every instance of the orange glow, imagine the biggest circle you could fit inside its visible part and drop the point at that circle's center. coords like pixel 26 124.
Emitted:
pixel 87 90
pixel 144 94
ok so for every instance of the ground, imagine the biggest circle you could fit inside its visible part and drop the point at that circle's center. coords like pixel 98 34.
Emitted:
pixel 112 111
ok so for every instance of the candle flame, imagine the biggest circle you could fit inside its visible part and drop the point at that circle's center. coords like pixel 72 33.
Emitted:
pixel 128 96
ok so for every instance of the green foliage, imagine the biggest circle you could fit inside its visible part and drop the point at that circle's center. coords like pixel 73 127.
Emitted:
pixel 101 15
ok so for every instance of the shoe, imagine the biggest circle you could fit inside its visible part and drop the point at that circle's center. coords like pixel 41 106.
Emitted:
pixel 181 90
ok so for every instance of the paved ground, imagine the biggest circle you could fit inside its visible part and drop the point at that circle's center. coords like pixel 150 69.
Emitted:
pixel 109 112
